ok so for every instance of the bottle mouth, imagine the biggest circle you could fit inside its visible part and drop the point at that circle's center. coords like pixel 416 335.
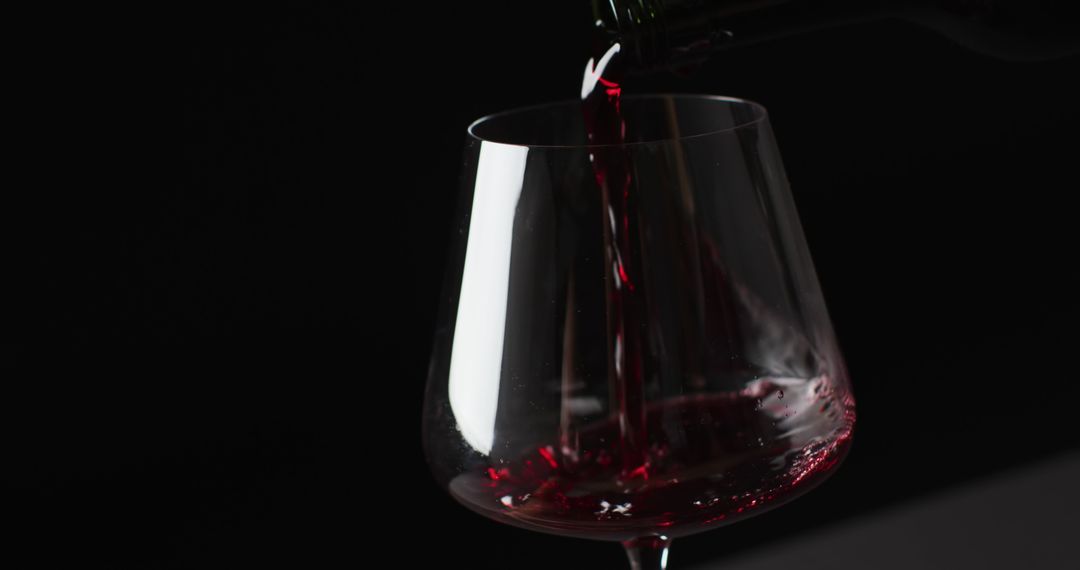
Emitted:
pixel 650 119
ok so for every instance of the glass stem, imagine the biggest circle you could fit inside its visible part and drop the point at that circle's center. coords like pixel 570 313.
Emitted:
pixel 648 552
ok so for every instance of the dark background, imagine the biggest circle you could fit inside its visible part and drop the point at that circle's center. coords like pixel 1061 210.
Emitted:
pixel 220 336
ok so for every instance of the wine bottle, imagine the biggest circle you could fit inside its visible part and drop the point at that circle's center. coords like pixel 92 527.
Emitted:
pixel 681 33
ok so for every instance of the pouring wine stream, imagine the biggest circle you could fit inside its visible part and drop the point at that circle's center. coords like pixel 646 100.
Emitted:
pixel 611 166
pixel 605 125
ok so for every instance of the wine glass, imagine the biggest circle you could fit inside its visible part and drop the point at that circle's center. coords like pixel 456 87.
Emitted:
pixel 634 359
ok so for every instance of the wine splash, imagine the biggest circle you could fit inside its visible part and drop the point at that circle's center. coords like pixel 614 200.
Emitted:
pixel 713 459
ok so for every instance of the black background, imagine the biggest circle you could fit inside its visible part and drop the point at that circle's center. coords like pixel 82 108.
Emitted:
pixel 220 334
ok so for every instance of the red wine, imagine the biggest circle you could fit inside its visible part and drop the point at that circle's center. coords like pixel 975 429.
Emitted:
pixel 601 94
pixel 712 459
pixel 627 313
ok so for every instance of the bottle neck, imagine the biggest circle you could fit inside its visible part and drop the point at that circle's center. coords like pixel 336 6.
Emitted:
pixel 658 34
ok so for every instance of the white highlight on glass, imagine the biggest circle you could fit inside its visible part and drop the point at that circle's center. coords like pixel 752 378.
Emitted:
pixel 594 73
pixel 476 356
pixel 608 508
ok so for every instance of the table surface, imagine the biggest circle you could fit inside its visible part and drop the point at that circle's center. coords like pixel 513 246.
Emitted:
pixel 1026 518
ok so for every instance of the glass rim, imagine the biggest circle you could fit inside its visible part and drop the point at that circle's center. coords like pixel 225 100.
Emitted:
pixel 760 115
